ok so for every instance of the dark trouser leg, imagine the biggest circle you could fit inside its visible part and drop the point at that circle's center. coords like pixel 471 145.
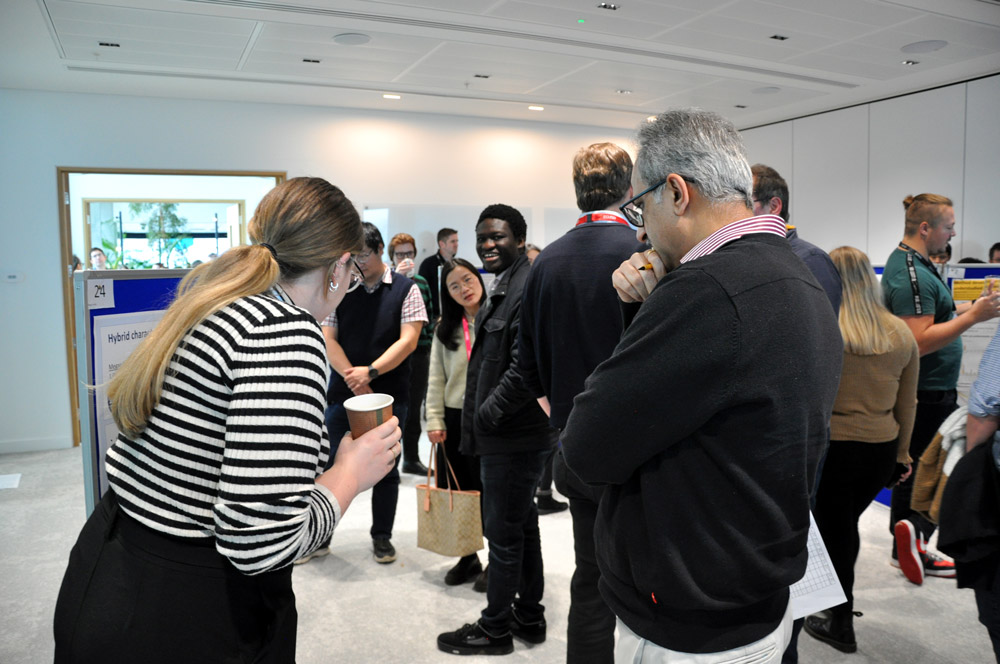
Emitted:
pixel 385 493
pixel 510 521
pixel 545 484
pixel 852 477
pixel 419 368
pixel 932 410
pixel 988 602
pixel 590 636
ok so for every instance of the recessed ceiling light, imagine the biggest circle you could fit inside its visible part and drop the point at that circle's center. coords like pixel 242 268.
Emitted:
pixel 310 60
pixel 623 92
pixel 109 44
pixel 536 108
pixel 480 76
pixel 910 63
pixel 778 37
pixel 391 97
pixel 739 106
pixel 766 90
pixel 928 46
pixel 608 5
pixel 352 39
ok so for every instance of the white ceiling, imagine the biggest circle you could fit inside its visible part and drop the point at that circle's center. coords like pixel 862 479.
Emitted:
pixel 569 56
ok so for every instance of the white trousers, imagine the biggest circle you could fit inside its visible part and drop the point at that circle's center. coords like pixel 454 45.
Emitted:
pixel 633 649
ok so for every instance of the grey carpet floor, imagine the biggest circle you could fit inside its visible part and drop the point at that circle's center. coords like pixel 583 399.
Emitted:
pixel 354 610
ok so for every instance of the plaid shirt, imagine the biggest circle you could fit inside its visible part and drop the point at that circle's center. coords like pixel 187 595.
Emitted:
pixel 413 306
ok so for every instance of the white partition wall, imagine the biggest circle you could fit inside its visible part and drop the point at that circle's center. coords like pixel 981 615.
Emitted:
pixel 830 196
pixel 917 145
pixel 981 219
pixel 849 170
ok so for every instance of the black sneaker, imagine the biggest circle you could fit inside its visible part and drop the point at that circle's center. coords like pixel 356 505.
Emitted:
pixel 482 581
pixel 385 552
pixel 532 632
pixel 414 468
pixel 549 505
pixel 474 640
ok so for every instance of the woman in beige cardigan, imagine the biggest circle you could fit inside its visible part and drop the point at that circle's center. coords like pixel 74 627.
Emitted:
pixel 450 351
pixel 869 432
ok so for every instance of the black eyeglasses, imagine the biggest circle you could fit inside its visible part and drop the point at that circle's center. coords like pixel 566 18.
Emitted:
pixel 634 213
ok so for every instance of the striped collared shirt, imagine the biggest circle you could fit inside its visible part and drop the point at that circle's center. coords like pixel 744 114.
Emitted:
pixel 765 223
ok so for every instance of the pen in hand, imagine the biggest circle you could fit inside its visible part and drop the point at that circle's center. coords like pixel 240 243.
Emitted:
pixel 647 266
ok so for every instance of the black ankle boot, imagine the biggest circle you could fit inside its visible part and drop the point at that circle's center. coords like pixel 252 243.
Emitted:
pixel 467 569
pixel 834 627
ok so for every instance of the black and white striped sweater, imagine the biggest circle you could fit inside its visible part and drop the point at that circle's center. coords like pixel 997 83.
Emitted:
pixel 233 447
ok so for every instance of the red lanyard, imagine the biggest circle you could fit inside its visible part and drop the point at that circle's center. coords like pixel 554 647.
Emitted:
pixel 604 217
pixel 468 342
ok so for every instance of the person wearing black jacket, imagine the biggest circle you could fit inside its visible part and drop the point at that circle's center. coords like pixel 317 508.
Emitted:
pixel 569 289
pixel 706 424
pixel 505 427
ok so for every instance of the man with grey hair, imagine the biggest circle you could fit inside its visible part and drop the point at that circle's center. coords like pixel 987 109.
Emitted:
pixel 702 429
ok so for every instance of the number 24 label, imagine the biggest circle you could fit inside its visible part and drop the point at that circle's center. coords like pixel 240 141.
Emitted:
pixel 101 294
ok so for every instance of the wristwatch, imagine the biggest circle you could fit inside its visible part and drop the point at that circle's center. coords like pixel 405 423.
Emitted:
pixel 372 372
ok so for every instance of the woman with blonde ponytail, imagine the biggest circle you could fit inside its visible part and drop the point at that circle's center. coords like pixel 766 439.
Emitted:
pixel 869 432
pixel 216 478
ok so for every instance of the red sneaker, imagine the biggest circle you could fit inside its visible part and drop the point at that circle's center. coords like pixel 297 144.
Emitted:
pixel 935 565
pixel 908 552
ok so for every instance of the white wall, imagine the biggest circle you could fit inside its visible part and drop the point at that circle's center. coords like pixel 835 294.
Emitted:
pixel 849 170
pixel 377 158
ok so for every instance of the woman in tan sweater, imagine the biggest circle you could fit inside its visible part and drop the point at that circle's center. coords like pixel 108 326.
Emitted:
pixel 869 432
pixel 450 351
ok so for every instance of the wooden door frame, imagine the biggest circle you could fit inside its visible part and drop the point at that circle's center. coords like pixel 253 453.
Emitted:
pixel 66 255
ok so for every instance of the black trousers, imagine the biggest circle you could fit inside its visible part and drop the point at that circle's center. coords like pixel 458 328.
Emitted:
pixel 853 475
pixel 420 361
pixel 590 636
pixel 933 408
pixel 131 594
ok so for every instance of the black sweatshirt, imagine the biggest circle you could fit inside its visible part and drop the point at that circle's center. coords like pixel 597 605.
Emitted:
pixel 706 426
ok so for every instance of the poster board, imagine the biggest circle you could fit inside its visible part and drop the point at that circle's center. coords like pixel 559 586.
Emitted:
pixel 115 310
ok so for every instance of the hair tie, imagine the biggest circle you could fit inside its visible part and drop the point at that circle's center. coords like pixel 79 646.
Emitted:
pixel 274 252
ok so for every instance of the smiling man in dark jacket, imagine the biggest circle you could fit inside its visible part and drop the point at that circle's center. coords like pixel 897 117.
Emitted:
pixel 505 427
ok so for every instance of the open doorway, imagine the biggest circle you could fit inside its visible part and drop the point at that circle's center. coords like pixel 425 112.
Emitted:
pixel 141 218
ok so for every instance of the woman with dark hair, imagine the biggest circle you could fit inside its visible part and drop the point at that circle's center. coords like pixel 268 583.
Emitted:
pixel 450 351
pixel 870 430
pixel 216 477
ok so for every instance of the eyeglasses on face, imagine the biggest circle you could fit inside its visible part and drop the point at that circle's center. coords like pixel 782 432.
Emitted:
pixel 632 211
pixel 465 281
pixel 403 255
pixel 355 276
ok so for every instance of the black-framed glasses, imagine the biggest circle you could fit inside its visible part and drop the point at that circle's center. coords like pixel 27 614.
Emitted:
pixel 634 213
pixel 355 276
pixel 403 255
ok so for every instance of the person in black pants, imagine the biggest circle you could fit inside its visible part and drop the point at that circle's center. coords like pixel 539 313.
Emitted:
pixel 869 431
pixel 581 263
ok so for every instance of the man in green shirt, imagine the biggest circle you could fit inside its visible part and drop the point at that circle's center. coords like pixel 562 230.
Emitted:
pixel 916 293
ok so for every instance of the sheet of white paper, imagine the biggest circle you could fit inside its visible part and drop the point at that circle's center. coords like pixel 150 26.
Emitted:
pixel 10 481
pixel 820 588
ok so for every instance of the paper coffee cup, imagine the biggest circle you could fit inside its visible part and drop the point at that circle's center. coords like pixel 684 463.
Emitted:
pixel 367 411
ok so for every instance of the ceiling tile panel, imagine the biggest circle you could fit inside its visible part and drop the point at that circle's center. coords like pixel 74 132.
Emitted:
pixel 601 82
pixel 869 12
pixel 605 23
pixel 741 30
pixel 771 19
pixel 109 15
pixel 955 31
pixel 894 40
pixel 94 32
pixel 849 66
